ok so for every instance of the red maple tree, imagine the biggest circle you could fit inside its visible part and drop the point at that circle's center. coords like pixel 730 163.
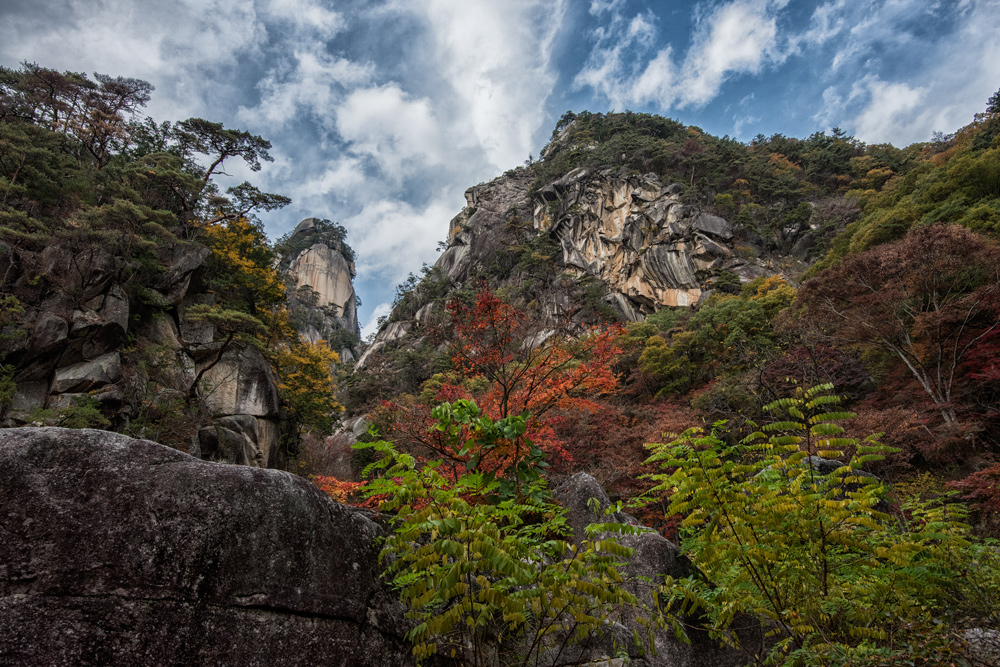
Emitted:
pixel 510 363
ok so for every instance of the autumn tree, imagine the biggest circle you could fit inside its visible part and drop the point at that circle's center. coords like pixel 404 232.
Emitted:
pixel 306 383
pixel 246 279
pixel 530 367
pixel 926 300
pixel 512 365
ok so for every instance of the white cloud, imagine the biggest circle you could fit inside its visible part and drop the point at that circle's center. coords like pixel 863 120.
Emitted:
pixel 392 238
pixel 314 85
pixel 176 45
pixel 400 133
pixel 609 69
pixel 740 37
pixel 598 7
pixel 942 93
pixel 890 106
pixel 496 60
pixel 737 37
pixel 307 16
pixel 658 81
pixel 827 22
pixel 740 123
pixel 341 180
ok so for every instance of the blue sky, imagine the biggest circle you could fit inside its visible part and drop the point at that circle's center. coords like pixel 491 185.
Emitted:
pixel 382 113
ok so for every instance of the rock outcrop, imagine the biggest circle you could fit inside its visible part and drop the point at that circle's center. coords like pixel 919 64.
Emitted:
pixel 320 269
pixel 94 337
pixel 117 551
pixel 77 319
pixel 89 343
pixel 630 236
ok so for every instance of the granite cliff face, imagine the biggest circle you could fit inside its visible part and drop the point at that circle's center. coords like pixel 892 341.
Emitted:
pixel 588 241
pixel 90 341
pixel 636 235
pixel 320 271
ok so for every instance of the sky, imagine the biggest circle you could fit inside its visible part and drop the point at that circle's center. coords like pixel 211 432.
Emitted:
pixel 383 112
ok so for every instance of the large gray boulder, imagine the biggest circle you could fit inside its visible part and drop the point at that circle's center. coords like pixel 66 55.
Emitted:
pixel 117 551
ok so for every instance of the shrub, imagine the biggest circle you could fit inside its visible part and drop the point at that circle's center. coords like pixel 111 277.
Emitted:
pixel 834 577
pixel 483 560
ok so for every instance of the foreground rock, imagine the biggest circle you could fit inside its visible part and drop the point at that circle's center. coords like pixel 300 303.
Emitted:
pixel 116 551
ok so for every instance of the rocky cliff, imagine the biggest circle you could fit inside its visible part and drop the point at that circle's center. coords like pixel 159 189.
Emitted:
pixel 95 344
pixel 591 244
pixel 319 266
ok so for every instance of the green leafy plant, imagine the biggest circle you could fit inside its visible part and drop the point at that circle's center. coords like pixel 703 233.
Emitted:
pixel 83 411
pixel 817 554
pixel 486 566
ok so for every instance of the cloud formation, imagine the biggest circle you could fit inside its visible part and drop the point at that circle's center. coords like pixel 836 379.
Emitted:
pixel 738 37
pixel 945 76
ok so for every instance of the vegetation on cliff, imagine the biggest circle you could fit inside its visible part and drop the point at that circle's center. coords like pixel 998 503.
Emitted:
pixel 83 169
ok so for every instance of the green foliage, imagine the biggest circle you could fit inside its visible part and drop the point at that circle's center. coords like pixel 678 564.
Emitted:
pixel 727 282
pixel 485 565
pixel 835 578
pixel 82 412
pixel 227 321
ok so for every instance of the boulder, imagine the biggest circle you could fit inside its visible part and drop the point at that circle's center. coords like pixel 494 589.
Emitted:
pixel 173 285
pixel 49 333
pixel 99 330
pixel 983 645
pixel 196 333
pixel 28 397
pixel 118 551
pixel 88 375
pixel 713 225
pixel 242 383
pixel 232 439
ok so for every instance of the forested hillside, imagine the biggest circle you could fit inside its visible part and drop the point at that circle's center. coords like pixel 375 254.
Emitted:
pixel 644 278
pixel 868 266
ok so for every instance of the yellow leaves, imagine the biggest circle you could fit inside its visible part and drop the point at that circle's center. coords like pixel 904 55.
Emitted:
pixel 240 246
pixel 305 372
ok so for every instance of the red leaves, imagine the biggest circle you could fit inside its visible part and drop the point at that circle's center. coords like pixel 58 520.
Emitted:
pixel 982 487
pixel 510 364
pixel 530 366
pixel 927 299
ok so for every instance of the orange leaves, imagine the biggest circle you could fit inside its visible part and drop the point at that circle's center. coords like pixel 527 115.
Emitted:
pixel 530 366
pixel 338 489
pixel 511 364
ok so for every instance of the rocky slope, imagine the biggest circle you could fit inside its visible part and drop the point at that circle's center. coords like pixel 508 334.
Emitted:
pixel 91 345
pixel 606 241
